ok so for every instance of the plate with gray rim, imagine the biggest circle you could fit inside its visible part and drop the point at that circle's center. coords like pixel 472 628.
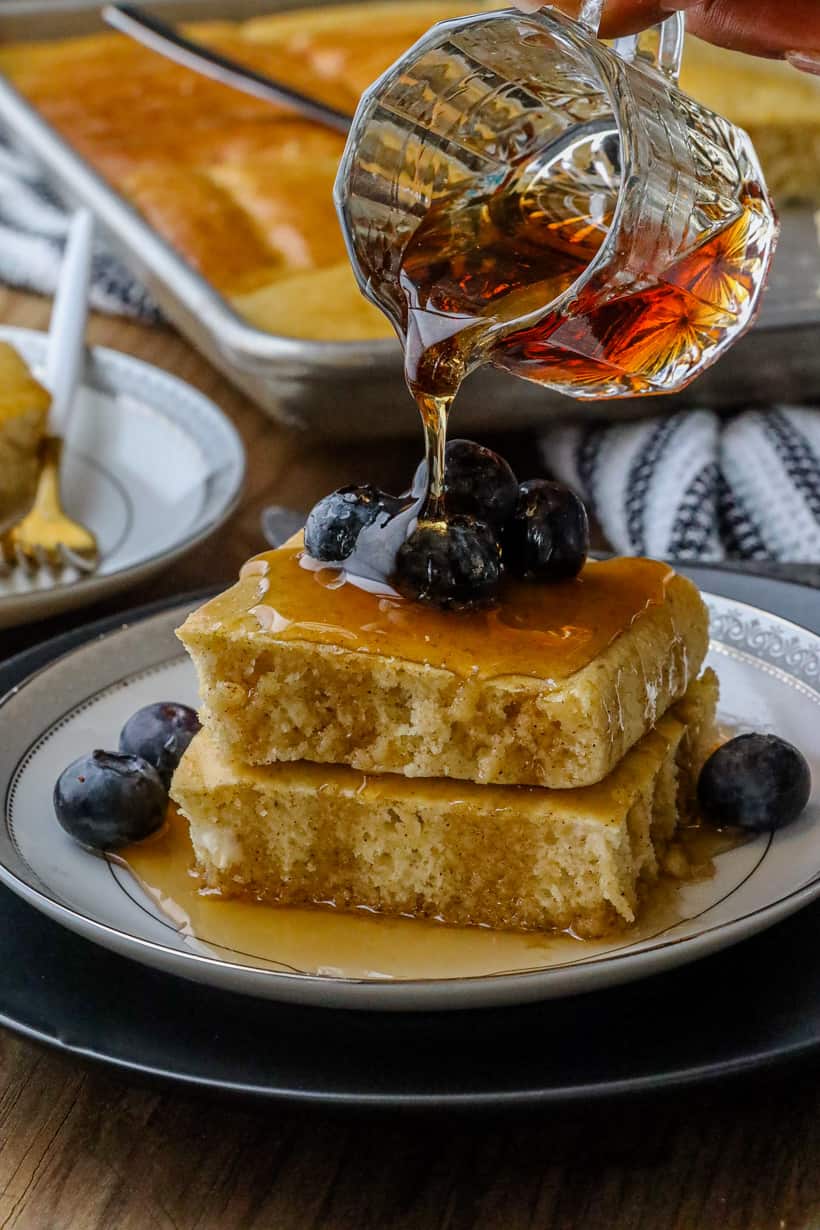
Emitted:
pixel 770 676
pixel 152 466
pixel 710 1020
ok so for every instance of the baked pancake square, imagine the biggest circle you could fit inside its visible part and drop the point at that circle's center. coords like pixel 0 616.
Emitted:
pixel 24 405
pixel 507 857
pixel 550 688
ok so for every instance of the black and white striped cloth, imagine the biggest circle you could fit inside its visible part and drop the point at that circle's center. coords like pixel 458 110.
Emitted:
pixel 33 230
pixel 694 486
pixel 686 486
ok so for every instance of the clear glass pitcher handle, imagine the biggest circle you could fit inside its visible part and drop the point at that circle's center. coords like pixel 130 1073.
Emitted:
pixel 661 46
pixel 586 12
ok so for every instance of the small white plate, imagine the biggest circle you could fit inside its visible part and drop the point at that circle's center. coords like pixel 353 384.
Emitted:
pixel 770 679
pixel 152 466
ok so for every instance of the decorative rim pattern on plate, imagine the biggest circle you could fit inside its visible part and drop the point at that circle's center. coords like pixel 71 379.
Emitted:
pixel 780 647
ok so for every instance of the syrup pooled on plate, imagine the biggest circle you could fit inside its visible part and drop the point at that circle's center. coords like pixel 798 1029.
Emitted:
pixel 541 631
pixel 360 944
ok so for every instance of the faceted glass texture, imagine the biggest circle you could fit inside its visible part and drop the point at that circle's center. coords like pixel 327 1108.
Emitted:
pixel 516 192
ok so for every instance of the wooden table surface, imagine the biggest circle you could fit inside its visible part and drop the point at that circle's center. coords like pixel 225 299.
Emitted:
pixel 84 1149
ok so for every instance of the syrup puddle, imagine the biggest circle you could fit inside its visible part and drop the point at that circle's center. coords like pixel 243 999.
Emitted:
pixel 322 940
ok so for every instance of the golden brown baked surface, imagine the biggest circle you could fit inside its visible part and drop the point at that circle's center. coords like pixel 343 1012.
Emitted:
pixel 243 189
pixel 23 409
pixel 240 187
pixel 502 856
pixel 549 688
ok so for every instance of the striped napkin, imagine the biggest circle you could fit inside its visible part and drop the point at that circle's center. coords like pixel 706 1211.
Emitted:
pixel 33 231
pixel 688 486
pixel 694 486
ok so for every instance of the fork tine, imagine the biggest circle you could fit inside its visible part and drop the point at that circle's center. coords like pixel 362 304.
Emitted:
pixel 24 559
pixel 32 558
pixel 43 557
pixel 72 560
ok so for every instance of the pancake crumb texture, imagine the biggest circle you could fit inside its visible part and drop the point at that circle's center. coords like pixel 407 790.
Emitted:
pixel 467 854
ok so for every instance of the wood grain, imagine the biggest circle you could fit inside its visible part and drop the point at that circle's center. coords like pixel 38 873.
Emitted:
pixel 83 1149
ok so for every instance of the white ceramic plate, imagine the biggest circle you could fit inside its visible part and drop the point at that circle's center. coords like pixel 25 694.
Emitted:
pixel 152 467
pixel 770 677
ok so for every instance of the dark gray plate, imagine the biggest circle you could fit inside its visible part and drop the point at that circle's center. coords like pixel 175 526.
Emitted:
pixel 763 1000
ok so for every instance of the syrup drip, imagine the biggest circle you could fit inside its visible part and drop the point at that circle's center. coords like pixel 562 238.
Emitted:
pixel 361 944
pixel 524 634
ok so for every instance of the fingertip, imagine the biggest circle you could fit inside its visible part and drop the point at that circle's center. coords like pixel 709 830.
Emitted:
pixel 804 61
pixel 757 27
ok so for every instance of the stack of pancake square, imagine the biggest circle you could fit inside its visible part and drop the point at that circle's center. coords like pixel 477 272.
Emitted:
pixel 328 775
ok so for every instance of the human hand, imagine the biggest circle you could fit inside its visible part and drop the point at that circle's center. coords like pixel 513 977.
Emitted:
pixel 787 29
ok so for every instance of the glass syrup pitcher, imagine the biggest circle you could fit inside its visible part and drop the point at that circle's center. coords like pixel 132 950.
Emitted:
pixel 516 192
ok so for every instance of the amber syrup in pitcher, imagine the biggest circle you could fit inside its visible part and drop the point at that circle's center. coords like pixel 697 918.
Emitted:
pixel 479 268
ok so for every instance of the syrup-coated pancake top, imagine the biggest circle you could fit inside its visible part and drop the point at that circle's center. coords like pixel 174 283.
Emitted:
pixel 543 631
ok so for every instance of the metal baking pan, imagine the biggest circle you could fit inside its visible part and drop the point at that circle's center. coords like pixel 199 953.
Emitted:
pixel 356 388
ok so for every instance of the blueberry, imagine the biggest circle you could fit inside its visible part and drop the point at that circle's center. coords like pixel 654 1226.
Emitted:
pixel 757 782
pixel 160 734
pixel 334 524
pixel 455 564
pixel 477 482
pixel 547 538
pixel 107 800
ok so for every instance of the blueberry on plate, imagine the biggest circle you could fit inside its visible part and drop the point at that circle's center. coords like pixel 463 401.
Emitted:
pixel 107 800
pixel 334 524
pixel 477 482
pixel 160 734
pixel 455 564
pixel 756 782
pixel 547 537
